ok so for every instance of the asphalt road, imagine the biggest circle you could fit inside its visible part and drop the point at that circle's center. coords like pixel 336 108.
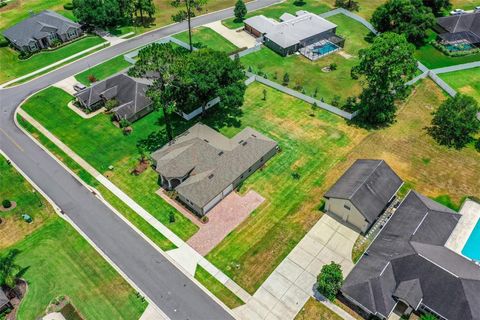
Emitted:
pixel 160 280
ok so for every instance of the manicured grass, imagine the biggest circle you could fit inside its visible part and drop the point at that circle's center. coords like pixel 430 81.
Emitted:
pixel 145 227
pixel 58 261
pixel 314 309
pixel 103 70
pixel 312 142
pixel 13 67
pixel 309 74
pixel 448 202
pixel 101 144
pixel 204 37
pixel 276 11
pixel 433 58
pixel 464 4
pixel 465 81
pixel 217 288
pixel 405 145
pixel 14 188
pixel 367 7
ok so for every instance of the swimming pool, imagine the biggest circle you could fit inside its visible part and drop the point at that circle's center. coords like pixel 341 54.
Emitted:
pixel 472 247
pixel 325 48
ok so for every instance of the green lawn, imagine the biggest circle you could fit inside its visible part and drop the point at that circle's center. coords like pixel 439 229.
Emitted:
pixel 12 67
pixel 217 288
pixel 145 227
pixel 433 58
pixel 205 37
pixel 276 11
pixel 309 74
pixel 314 309
pixel 312 142
pixel 103 70
pixel 58 261
pixel 465 81
pixel 101 144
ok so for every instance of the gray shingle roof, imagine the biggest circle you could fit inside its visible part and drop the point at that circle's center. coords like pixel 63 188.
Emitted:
pixel 212 160
pixel 463 26
pixel 291 31
pixel 131 94
pixel 369 185
pixel 38 26
pixel 3 298
pixel 411 248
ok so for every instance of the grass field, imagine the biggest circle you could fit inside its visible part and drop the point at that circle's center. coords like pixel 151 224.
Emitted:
pixel 433 58
pixel 312 142
pixel 309 74
pixel 204 37
pixel 465 81
pixel 87 136
pixel 429 168
pixel 314 309
pixel 103 70
pixel 12 67
pixel 125 210
pixel 58 261
pixel 217 288
pixel 277 10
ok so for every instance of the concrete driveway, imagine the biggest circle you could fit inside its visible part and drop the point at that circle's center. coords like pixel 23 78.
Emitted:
pixel 290 285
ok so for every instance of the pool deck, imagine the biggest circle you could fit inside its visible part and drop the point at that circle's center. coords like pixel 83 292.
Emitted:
pixel 470 212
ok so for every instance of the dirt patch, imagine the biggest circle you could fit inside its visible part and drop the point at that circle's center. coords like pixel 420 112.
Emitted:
pixel 467 90
pixel 141 167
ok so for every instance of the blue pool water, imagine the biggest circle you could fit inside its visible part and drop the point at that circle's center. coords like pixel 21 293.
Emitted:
pixel 325 48
pixel 472 247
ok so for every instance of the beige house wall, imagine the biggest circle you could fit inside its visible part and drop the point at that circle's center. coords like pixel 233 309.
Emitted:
pixel 352 216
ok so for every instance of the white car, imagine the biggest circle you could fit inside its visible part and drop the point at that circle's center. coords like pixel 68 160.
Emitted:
pixel 457 12
pixel 79 87
pixel 477 9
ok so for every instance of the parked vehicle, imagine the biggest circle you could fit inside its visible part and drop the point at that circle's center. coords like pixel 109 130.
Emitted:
pixel 457 12
pixel 79 87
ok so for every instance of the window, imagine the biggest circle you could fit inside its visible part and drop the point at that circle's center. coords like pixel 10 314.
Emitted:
pixel 346 207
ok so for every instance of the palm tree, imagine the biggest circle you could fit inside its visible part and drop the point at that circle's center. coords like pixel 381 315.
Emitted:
pixel 9 270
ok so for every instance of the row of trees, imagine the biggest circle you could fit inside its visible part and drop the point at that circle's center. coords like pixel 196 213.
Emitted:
pixel 184 81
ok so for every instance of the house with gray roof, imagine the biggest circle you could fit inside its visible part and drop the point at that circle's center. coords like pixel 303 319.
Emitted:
pixel 362 193
pixel 4 301
pixel 130 94
pixel 408 268
pixel 41 31
pixel 460 29
pixel 203 166
pixel 292 33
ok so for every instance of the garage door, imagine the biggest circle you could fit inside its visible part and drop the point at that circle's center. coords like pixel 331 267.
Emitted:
pixel 212 203
pixel 227 190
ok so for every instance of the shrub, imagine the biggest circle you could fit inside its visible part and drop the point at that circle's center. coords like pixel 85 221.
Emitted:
pixel 333 66
pixel 91 78
pixel 275 75
pixel 204 219
pixel 286 79
pixel 330 280
pixel 477 145
pixel 3 42
pixel 315 93
pixel 68 6
pixel 346 4
pixel 6 203
pixel 110 104
pixel 25 55
pixel 428 316
pixel 171 217
pixel 124 123
pixel 336 101
pixel 264 92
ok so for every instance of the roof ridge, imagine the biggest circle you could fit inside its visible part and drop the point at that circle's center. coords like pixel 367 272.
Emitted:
pixel 366 178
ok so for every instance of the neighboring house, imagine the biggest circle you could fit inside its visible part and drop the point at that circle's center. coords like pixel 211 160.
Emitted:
pixel 407 267
pixel 203 166
pixel 129 92
pixel 4 301
pixel 460 29
pixel 41 30
pixel 293 32
pixel 362 193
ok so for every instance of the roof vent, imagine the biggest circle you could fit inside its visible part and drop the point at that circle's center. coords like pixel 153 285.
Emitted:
pixel 254 135
pixel 220 153
pixel 210 176
pixel 239 142
pixel 206 140
pixel 244 144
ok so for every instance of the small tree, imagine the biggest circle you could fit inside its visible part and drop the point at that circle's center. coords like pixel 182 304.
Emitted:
pixel 171 217
pixel 315 92
pixel 91 78
pixel 333 66
pixel 330 280
pixel 110 104
pixel 264 92
pixel 240 10
pixel 336 101
pixel 9 270
pixel 455 122
pixel 286 79
pixel 6 203
pixel 347 4
pixel 188 11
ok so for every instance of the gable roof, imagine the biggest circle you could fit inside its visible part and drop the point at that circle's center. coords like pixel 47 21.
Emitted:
pixel 3 298
pixel 131 94
pixel 369 185
pixel 463 26
pixel 293 29
pixel 37 27
pixel 408 260
pixel 211 160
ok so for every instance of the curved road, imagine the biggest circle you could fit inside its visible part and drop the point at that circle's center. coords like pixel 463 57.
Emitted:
pixel 160 280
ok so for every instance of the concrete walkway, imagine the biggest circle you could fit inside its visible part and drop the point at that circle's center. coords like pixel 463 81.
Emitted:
pixel 239 38
pixel 152 313
pixel 470 212
pixel 290 285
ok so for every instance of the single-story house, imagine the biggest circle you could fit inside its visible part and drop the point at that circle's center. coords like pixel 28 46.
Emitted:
pixel 460 29
pixel 408 268
pixel 130 94
pixel 292 32
pixel 203 166
pixel 41 30
pixel 4 301
pixel 362 193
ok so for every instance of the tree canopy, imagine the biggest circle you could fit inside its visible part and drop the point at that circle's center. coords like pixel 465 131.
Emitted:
pixel 455 122
pixel 240 10
pixel 330 280
pixel 408 17
pixel 437 6
pixel 188 10
pixel 385 67
pixel 9 269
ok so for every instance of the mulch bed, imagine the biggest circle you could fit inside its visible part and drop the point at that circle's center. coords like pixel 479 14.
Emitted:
pixel 14 205
pixel 141 167
pixel 16 295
